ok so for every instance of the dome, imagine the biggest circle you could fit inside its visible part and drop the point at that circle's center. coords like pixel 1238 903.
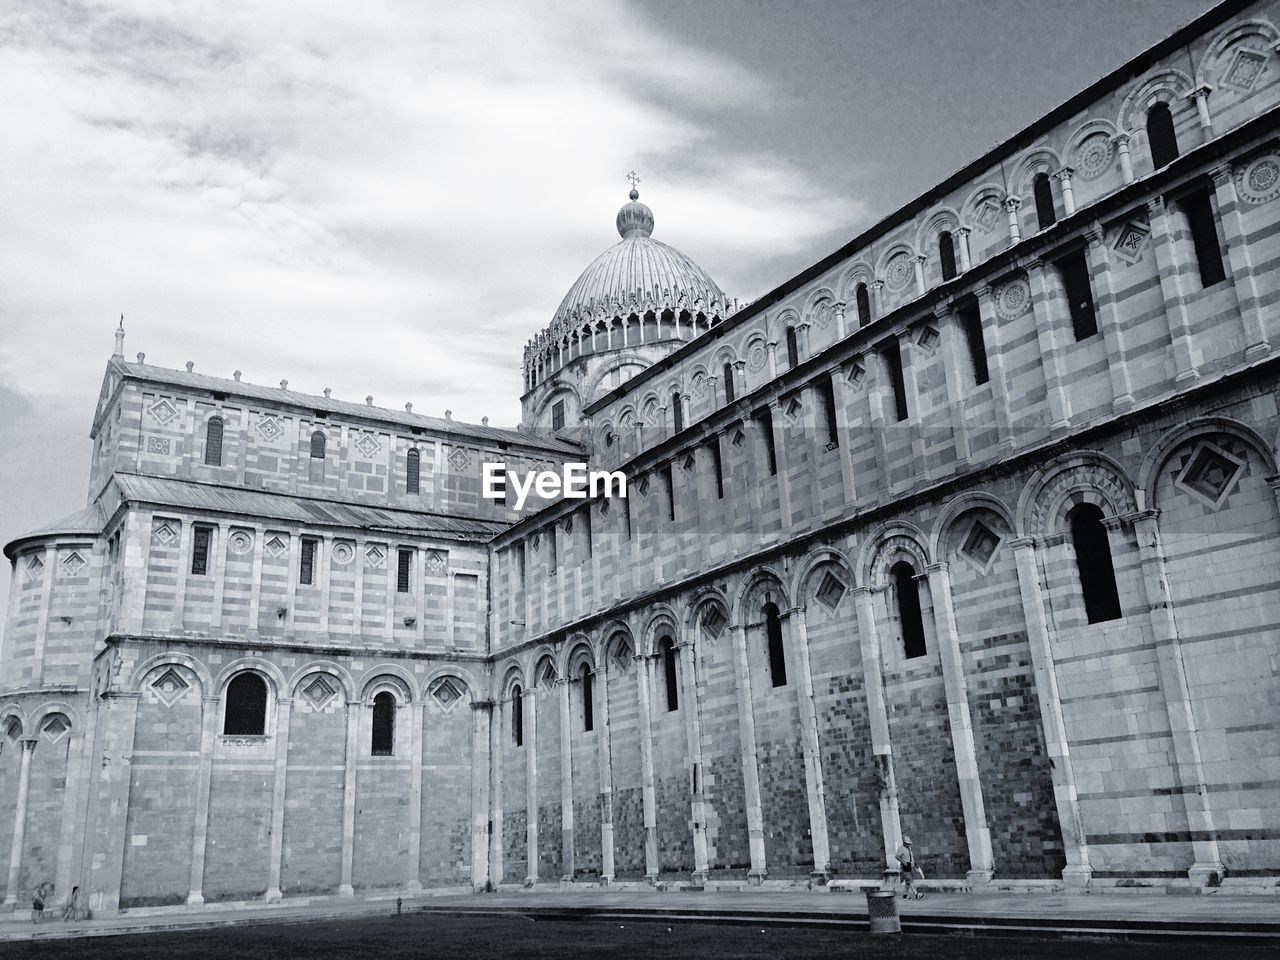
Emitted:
pixel 638 268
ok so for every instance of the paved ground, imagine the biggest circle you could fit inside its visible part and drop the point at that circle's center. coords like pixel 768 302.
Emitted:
pixel 515 935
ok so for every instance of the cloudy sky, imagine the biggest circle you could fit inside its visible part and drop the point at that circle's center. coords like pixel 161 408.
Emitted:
pixel 391 197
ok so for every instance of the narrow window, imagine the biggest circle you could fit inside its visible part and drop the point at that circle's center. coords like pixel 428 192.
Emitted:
pixel 384 724
pixel 908 595
pixel 765 419
pixel 1204 237
pixel 1075 282
pixel 521 570
pixel 1161 135
pixel 586 530
pixel 669 483
pixel 892 353
pixel 213 442
pixel 246 706
pixel 557 415
pixel 200 551
pixel 404 568
pixel 827 394
pixel 677 412
pixel 517 715
pixel 793 349
pixel 307 563
pixel 729 392
pixel 971 324
pixel 626 511
pixel 717 467
pixel 588 696
pixel 947 254
pixel 553 559
pixel 1093 562
pixel 316 469
pixel 667 651
pixel 863 297
pixel 1042 191
pixel 777 655
pixel 412 471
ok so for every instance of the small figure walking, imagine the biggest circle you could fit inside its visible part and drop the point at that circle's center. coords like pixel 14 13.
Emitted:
pixel 71 907
pixel 907 863
pixel 38 897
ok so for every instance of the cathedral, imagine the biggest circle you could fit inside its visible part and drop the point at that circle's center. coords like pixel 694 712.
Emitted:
pixel 969 531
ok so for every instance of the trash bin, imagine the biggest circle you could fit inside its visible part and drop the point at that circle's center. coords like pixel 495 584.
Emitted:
pixel 882 910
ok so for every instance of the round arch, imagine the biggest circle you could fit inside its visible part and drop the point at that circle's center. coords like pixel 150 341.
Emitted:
pixel 142 670
pixel 754 580
pixel 380 672
pixel 1167 85
pixel 895 538
pixel 956 508
pixel 276 681
pixel 812 561
pixel 662 615
pixel 1149 473
pixel 327 667
pixel 1069 479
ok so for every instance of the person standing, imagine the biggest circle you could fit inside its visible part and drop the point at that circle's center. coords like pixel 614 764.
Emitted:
pixel 907 864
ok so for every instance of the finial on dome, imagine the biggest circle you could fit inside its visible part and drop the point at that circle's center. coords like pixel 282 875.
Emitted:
pixel 119 351
pixel 635 219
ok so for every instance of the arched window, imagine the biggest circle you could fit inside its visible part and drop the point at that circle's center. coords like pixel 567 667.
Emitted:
pixel 863 298
pixel 1161 135
pixel 729 392
pixel 667 651
pixel 517 715
pixel 213 442
pixel 947 254
pixel 316 471
pixel 384 724
pixel 677 412
pixel 588 698
pixel 1042 191
pixel 777 656
pixel 1093 563
pixel 908 594
pixel 246 714
pixel 412 471
pixel 793 349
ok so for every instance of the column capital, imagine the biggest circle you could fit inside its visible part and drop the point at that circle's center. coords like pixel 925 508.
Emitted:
pixel 938 566
pixel 919 258
pixel 984 293
pixel 1066 173
pixel 1095 234
pixel 1122 139
pixel 1012 203
pixel 482 704
pixel 28 744
pixel 877 284
pixel 964 231
pixel 1198 93
pixel 1156 204
pixel 1222 173
pixel 1023 544
pixel 943 309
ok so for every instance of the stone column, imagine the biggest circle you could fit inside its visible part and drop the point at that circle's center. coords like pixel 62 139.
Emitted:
pixel 750 761
pixel 284 709
pixel 481 714
pixel 345 887
pixel 1068 197
pixel 1243 278
pixel 1186 357
pixel 809 744
pixel 1110 323
pixel 1201 97
pixel 72 819
pixel 1077 871
pixel 566 783
pixel 647 795
pixel 530 700
pixel 204 777
pixel 693 731
pixel 1207 868
pixel 497 740
pixel 878 715
pixel 877 297
pixel 917 262
pixel 977 832
pixel 841 329
pixel 1121 140
pixel 772 348
pixel 962 248
pixel 19 823
pixel 605 745
pixel 954 380
pixel 1011 206
pixel 416 737
pixel 1049 308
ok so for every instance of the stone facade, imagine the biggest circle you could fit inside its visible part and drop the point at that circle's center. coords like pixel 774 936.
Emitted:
pixel 981 547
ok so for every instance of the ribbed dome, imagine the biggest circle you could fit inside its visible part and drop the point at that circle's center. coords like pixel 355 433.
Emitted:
pixel 638 267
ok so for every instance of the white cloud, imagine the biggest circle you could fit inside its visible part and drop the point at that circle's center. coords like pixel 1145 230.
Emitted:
pixel 388 197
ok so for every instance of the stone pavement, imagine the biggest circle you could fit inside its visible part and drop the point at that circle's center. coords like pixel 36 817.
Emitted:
pixel 1209 916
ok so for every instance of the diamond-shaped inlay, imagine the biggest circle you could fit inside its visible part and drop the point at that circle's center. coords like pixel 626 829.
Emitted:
pixel 374 555
pixel 644 486
pixel 622 654
pixel 714 621
pixel 368 445
pixel 794 408
pixel 1244 69
pixel 447 691
pixel 163 411
pixel 73 563
pixel 319 691
pixel 13 728
pixel 855 370
pixel 987 215
pixel 269 427
pixel 980 545
pixel 1211 473
pixel 55 726
pixel 459 459
pixel 276 545
pixel 436 561
pixel 164 534
pixel 1130 242
pixel 169 686
pixel 927 338
pixel 35 567
pixel 689 463
pixel 830 591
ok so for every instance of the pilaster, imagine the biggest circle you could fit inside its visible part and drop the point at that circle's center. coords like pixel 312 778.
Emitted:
pixel 204 778
pixel 1050 309
pixel 750 760
pixel 284 710
pixel 1257 335
pixel 1109 320
pixel 878 717
pixel 1186 356
pixel 810 745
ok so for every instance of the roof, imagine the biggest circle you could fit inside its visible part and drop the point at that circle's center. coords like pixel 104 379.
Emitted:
pixel 189 494
pixel 477 433
pixel 86 522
